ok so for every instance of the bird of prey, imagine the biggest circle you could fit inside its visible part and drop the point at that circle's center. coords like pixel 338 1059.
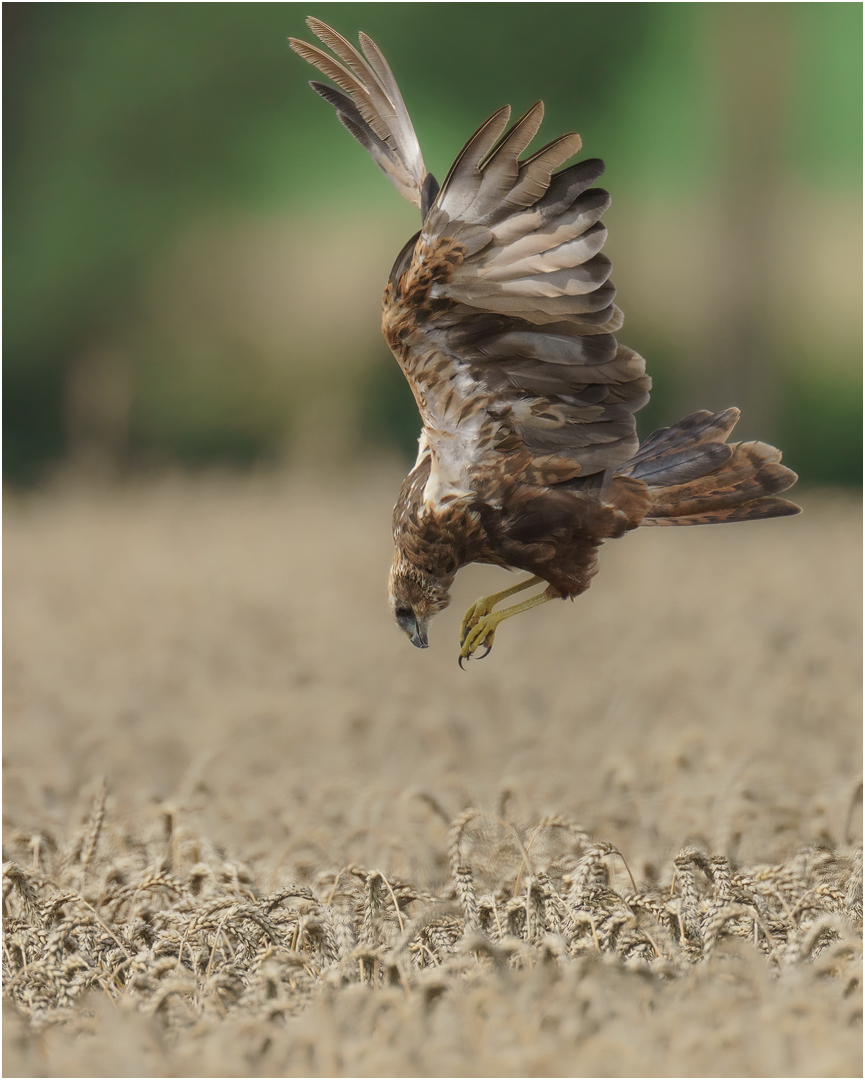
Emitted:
pixel 500 313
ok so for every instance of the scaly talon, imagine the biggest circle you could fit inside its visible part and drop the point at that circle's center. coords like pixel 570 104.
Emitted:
pixel 480 621
pixel 476 612
pixel 480 633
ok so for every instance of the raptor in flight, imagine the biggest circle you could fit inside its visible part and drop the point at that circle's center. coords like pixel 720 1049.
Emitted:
pixel 500 313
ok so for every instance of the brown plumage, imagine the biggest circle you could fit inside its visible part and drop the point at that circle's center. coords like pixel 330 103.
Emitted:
pixel 500 313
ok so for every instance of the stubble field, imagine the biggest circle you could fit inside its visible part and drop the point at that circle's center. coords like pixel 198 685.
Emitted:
pixel 238 838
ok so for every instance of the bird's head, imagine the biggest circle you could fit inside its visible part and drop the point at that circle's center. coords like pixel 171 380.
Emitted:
pixel 415 596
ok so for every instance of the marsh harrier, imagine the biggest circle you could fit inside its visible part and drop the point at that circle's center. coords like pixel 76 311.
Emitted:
pixel 500 313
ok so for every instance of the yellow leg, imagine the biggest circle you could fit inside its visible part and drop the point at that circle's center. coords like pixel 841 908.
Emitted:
pixel 480 621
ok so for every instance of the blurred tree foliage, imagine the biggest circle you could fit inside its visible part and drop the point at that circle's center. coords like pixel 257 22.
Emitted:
pixel 128 125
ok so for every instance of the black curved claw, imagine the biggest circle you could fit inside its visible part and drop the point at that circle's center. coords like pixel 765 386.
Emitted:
pixel 483 656
pixel 461 661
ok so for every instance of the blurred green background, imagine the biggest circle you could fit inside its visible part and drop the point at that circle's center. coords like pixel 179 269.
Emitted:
pixel 195 249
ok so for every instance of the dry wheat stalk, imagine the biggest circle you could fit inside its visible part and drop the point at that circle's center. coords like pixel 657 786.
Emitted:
pixel 195 935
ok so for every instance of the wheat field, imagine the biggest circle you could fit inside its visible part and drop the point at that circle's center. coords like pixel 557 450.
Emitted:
pixel 250 831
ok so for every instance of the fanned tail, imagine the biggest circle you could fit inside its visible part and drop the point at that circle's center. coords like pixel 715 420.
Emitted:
pixel 370 106
pixel 693 477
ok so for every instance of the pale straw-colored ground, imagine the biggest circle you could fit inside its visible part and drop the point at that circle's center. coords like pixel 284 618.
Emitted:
pixel 273 885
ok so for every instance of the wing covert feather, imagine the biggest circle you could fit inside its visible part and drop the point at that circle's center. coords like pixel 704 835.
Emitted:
pixel 506 311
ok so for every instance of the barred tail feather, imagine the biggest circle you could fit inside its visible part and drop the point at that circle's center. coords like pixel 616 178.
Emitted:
pixel 694 477
pixel 749 511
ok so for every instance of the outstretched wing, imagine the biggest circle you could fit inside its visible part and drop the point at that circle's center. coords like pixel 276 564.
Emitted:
pixel 371 107
pixel 501 314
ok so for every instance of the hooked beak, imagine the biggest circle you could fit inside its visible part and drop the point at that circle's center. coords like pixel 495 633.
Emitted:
pixel 414 628
pixel 417 634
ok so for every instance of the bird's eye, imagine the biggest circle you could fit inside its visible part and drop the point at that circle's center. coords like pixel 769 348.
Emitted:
pixel 403 614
